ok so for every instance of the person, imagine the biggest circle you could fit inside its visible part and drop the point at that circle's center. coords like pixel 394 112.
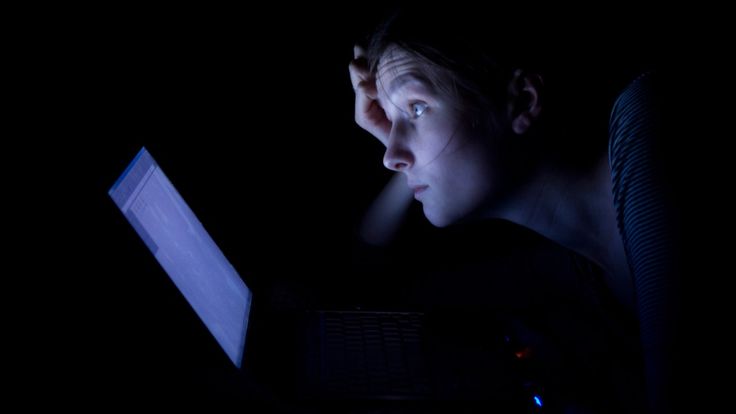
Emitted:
pixel 480 125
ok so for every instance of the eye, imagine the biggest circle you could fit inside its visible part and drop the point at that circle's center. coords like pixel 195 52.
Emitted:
pixel 417 109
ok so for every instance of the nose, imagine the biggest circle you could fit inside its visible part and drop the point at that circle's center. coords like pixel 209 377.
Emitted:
pixel 398 156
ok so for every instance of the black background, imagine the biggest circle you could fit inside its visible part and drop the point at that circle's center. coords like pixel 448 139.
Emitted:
pixel 249 113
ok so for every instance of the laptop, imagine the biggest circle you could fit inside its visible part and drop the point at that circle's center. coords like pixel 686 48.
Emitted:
pixel 341 354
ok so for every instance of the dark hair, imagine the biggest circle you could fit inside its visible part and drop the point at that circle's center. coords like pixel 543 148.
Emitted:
pixel 471 73
pixel 480 51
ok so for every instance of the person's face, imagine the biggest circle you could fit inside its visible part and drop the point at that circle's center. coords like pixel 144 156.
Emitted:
pixel 448 163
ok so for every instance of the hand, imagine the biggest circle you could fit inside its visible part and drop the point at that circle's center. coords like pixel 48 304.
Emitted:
pixel 368 112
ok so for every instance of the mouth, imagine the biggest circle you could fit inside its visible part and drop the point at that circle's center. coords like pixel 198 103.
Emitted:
pixel 418 190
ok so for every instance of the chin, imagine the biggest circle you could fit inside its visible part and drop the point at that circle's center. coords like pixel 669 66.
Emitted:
pixel 437 218
pixel 443 217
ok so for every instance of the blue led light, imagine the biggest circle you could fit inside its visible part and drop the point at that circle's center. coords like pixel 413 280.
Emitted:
pixel 538 400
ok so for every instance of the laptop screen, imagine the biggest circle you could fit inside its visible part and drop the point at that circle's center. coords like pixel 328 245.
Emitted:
pixel 186 251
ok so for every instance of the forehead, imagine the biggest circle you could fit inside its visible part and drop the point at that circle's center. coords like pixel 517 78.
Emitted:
pixel 397 63
pixel 400 70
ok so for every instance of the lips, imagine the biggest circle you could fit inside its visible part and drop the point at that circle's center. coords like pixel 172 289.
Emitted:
pixel 418 189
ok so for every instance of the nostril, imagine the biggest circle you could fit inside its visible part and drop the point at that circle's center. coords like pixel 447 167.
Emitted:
pixel 395 165
pixel 398 166
pixel 397 157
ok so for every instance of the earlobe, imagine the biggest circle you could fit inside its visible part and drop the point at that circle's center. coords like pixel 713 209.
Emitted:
pixel 525 104
pixel 520 124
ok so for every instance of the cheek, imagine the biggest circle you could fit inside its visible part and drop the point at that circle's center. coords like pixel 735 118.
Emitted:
pixel 471 174
pixel 437 140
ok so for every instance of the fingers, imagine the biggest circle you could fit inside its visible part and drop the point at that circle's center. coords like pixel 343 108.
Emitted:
pixel 360 77
pixel 358 73
pixel 368 112
pixel 367 88
pixel 365 109
pixel 370 116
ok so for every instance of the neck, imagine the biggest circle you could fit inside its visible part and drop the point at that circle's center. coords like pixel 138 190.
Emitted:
pixel 575 210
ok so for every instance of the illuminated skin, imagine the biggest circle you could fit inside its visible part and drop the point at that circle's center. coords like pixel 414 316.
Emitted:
pixel 459 172
pixel 447 165
pixel 464 157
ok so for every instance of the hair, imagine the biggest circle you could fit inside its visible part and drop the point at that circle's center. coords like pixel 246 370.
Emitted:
pixel 457 68
pixel 471 56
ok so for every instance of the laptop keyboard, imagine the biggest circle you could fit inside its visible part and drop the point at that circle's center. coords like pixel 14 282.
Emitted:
pixel 373 354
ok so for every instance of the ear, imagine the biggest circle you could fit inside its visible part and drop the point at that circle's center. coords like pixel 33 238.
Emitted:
pixel 525 100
